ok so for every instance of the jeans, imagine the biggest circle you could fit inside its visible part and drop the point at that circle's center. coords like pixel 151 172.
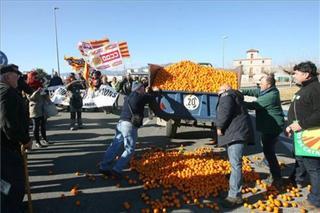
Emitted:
pixel 235 153
pixel 12 171
pixel 39 123
pixel 312 165
pixel 268 145
pixel 126 135
pixel 299 172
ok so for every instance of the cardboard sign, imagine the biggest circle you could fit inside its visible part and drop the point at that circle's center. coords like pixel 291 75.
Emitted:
pixel 307 142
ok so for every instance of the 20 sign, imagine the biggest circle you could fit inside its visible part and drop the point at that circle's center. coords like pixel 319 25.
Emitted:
pixel 191 102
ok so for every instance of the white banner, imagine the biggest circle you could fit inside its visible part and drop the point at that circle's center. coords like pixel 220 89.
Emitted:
pixel 105 96
pixel 105 57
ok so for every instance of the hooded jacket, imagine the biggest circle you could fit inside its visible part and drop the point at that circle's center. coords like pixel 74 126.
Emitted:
pixel 233 119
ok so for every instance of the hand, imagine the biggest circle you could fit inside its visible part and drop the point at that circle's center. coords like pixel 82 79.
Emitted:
pixel 219 132
pixel 288 131
pixel 295 127
pixel 27 145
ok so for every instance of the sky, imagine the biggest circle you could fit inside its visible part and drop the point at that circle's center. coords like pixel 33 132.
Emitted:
pixel 161 32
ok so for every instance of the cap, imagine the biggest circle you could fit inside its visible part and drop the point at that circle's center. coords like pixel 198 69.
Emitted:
pixel 10 68
pixel 136 86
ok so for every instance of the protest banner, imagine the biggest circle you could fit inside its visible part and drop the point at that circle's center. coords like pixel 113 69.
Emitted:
pixel 307 142
pixel 105 57
pixel 104 96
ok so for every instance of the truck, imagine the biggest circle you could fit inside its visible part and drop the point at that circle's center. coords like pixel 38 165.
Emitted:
pixel 185 108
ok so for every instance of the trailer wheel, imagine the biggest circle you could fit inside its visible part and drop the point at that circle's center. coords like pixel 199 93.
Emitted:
pixel 171 129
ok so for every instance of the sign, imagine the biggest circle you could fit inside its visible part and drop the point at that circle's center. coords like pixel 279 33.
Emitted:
pixel 191 102
pixel 3 58
pixel 105 57
pixel 104 96
pixel 307 142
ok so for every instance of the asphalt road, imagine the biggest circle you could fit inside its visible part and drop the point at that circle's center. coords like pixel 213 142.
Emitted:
pixel 53 169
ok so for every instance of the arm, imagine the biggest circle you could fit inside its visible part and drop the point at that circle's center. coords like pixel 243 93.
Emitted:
pixel 224 112
pixel 250 92
pixel 14 129
pixel 314 119
pixel 261 103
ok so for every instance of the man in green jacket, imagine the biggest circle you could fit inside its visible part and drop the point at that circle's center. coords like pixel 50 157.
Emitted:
pixel 269 120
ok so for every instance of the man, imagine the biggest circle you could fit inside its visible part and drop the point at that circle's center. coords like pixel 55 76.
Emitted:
pixel 126 85
pixel 234 130
pixel 126 131
pixel 269 121
pixel 304 113
pixel 55 80
pixel 14 133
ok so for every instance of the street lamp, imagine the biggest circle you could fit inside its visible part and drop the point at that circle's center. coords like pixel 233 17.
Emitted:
pixel 223 46
pixel 55 27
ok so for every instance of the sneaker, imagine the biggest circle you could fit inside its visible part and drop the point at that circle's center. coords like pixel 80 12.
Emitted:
pixel 44 143
pixel 105 172
pixel 231 202
pixel 80 126
pixel 38 145
pixel 307 205
pixel 73 128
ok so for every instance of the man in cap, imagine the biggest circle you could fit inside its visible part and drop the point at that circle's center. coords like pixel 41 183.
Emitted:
pixel 234 130
pixel 127 130
pixel 14 133
pixel 304 113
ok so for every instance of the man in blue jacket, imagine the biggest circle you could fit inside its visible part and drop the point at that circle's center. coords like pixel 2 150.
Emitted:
pixel 234 130
pixel 126 131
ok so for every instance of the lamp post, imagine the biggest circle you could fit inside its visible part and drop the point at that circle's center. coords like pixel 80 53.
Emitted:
pixel 57 47
pixel 223 46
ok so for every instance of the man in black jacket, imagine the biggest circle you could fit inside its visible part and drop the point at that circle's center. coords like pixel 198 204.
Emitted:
pixel 127 130
pixel 14 133
pixel 304 113
pixel 234 129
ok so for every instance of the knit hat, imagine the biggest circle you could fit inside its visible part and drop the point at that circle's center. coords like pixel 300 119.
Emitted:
pixel 10 68
pixel 136 86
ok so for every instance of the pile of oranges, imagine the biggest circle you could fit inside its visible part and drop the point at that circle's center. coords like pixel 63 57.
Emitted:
pixel 186 177
pixel 192 77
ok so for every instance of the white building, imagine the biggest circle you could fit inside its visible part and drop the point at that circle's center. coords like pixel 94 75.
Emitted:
pixel 254 65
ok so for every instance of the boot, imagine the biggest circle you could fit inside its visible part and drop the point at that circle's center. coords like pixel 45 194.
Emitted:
pixel 72 125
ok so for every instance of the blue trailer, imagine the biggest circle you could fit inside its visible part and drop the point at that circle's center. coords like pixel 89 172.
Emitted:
pixel 183 108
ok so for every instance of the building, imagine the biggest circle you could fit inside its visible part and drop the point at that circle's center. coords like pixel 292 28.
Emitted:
pixel 254 65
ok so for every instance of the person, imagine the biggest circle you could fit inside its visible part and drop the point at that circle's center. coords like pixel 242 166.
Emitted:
pixel 125 85
pixel 55 80
pixel 126 131
pixel 234 130
pixel 36 110
pixel 75 101
pixel 115 85
pixel 304 113
pixel 14 134
pixel 269 121
pixel 96 80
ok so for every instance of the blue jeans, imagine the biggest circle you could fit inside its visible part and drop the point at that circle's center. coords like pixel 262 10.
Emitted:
pixel 312 165
pixel 126 134
pixel 235 153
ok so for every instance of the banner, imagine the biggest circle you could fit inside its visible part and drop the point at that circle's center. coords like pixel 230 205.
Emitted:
pixel 307 142
pixel 104 96
pixel 105 57
pixel 76 63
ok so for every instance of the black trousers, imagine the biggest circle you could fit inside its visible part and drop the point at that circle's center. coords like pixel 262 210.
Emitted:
pixel 268 145
pixel 12 171
pixel 39 124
